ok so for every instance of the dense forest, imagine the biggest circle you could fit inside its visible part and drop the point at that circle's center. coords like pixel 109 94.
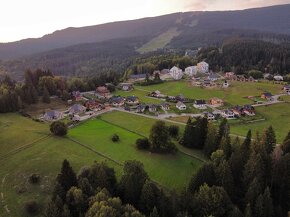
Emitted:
pixel 243 55
pixel 249 178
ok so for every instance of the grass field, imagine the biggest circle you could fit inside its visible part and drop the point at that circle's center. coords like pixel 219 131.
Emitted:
pixel 276 115
pixel 16 131
pixel 97 134
pixel 160 41
pixel 44 157
pixel 236 94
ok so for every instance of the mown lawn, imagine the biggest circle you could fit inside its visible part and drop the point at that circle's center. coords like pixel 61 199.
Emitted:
pixel 276 115
pixel 97 134
pixel 16 131
pixel 142 95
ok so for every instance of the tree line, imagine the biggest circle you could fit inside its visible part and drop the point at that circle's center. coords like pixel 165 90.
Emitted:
pixel 249 178
pixel 241 56
pixel 42 84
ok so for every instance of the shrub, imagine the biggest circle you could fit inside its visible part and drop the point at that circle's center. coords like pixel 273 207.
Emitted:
pixel 34 178
pixel 58 128
pixel 31 207
pixel 142 144
pixel 173 131
pixel 115 138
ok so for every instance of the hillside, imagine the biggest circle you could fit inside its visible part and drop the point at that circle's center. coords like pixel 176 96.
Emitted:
pixel 275 19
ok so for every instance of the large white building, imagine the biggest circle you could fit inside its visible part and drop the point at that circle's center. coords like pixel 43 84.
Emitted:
pixel 203 67
pixel 191 70
pixel 176 73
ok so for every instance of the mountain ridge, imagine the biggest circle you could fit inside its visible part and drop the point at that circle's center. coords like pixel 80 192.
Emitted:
pixel 256 18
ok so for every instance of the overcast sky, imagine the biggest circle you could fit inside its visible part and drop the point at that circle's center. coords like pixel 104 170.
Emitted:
pixel 21 19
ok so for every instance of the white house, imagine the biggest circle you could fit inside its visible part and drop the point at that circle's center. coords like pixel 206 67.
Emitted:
pixel 278 78
pixel 176 73
pixel 212 76
pixel 77 109
pixel 228 114
pixel 181 106
pixel 203 67
pixel 53 116
pixel 209 116
pixel 199 104
pixel 191 71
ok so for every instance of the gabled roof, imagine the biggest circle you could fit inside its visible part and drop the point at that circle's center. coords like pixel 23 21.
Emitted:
pixel 52 113
pixel 116 99
pixel 179 104
pixel 77 108
pixel 199 102
pixel 132 98
pixel 267 94
pixel 138 76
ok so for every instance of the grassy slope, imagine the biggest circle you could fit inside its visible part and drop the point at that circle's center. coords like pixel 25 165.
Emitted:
pixel 43 158
pixel 160 41
pixel 97 134
pixel 276 115
pixel 234 95
pixel 16 131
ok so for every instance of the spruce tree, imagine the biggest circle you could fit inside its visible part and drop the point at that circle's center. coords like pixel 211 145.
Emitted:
pixel 211 143
pixel 187 139
pixel 150 196
pixel 67 177
pixel 154 213
pixel 269 139
pixel 248 211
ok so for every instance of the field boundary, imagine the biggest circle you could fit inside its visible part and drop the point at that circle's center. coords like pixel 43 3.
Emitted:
pixel 96 152
pixel 22 148
pixel 181 151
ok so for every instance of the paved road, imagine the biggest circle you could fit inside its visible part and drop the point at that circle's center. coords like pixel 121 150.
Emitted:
pixel 272 102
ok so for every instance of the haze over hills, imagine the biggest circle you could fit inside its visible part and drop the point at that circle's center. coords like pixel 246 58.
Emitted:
pixel 275 19
pixel 113 46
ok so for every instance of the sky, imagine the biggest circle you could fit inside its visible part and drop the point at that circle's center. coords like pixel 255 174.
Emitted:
pixel 20 19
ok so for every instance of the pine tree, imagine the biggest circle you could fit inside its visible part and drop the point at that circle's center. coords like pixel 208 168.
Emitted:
pixel 225 145
pixel 224 177
pixel 149 198
pixel 45 96
pixel 200 132
pixel 268 203
pixel 187 139
pixel 235 212
pixel 286 144
pixel 211 143
pixel 269 139
pixel 67 177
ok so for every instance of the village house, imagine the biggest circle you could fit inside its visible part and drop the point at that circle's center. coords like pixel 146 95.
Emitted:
pixel 117 101
pixel 286 89
pixel 210 116
pixel 157 94
pixel 203 67
pixel 241 78
pixel 77 109
pixel 251 79
pixel 103 91
pixel 165 106
pixel 180 98
pixel 226 84
pixel 77 96
pixel 93 104
pixel 126 86
pixel 216 102
pixel 132 100
pixel 181 106
pixel 140 108
pixel 230 76
pixel 53 115
pixel 207 83
pixel 176 73
pixel 278 78
pixel 249 110
pixel 76 118
pixel 152 108
pixel 228 114
pixel 238 111
pixel 267 95
pixel 212 76
pixel 199 104
pixel 191 71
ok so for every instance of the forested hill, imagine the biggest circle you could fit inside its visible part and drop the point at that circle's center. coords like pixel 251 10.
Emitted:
pixel 178 29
